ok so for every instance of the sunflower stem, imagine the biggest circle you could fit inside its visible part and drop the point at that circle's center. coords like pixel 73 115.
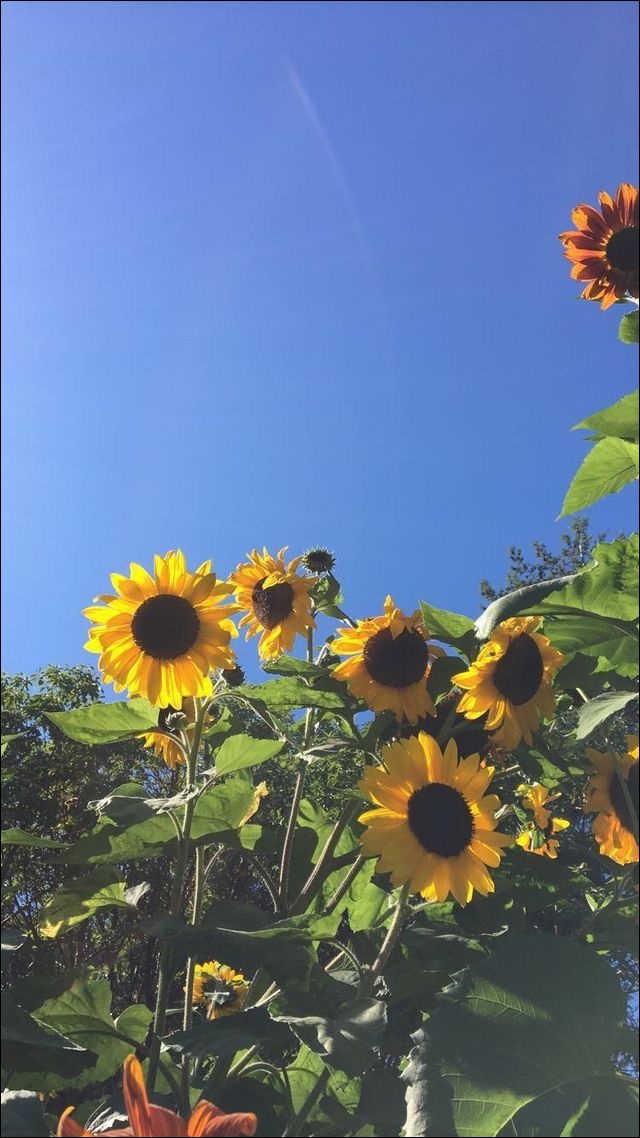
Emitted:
pixel 389 942
pixel 296 1124
pixel 344 885
pixel 165 971
pixel 319 872
pixel 445 732
pixel 287 849
pixel 187 1015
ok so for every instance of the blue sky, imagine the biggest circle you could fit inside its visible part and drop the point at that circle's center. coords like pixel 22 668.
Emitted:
pixel 288 273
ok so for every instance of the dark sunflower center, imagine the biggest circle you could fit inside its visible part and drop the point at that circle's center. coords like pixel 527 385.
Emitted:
pixel 272 605
pixel 518 674
pixel 440 819
pixel 619 800
pixel 622 250
pixel 399 662
pixel 165 626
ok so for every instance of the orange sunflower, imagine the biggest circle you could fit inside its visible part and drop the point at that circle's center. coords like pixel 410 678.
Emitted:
pixel 603 247
pixel 615 828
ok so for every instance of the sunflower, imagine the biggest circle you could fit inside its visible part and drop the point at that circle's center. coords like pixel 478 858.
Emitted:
pixel 146 1120
pixel 604 246
pixel 165 742
pixel 432 824
pixel 510 681
pixel 388 662
pixel 537 837
pixel 275 600
pixel 224 989
pixel 160 636
pixel 165 747
pixel 614 828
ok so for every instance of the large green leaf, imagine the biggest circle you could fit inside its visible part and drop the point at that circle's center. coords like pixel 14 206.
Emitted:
pixel 291 691
pixel 226 1035
pixel 609 465
pixel 6 739
pixel 529 1031
pixel 601 708
pixel 619 420
pixel 242 751
pixel 345 1039
pixel 608 588
pixel 106 722
pixel 81 898
pixel 22 1115
pixel 15 837
pixel 613 643
pixel 83 1014
pixel 450 627
pixel 37 1051
pixel 250 938
pixel 220 809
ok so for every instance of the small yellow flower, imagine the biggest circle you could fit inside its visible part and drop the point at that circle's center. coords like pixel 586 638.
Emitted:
pixel 614 826
pixel 223 989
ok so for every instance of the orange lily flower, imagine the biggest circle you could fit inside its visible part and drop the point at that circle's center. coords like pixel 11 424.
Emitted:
pixel 157 1122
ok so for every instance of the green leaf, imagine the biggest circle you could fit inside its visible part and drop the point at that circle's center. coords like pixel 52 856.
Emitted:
pixel 37 1051
pixel 22 838
pixel 598 710
pixel 83 1014
pixel 293 666
pixel 530 1030
pixel 610 464
pixel 242 751
pixel 608 588
pixel 529 596
pixel 84 896
pixel 12 940
pixel 327 597
pixel 33 989
pixel 441 672
pixel 628 328
pixel 620 420
pixel 450 627
pixel 106 722
pixel 615 644
pixel 22 1115
pixel 226 1035
pixel 219 810
pixel 6 739
pixel 346 1039
pixel 293 692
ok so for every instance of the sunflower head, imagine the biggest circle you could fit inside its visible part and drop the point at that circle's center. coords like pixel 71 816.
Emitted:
pixel 603 248
pixel 233 677
pixel 274 599
pixel 161 635
pixel 224 990
pixel 510 681
pixel 387 662
pixel 616 825
pixel 318 561
pixel 432 823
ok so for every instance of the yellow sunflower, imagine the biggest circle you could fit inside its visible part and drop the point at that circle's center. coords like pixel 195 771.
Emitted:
pixel 510 681
pixel 388 662
pixel 275 600
pixel 603 248
pixel 537 837
pixel 224 989
pixel 433 825
pixel 165 742
pixel 614 827
pixel 160 636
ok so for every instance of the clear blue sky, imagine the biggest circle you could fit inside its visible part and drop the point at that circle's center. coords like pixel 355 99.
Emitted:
pixel 288 273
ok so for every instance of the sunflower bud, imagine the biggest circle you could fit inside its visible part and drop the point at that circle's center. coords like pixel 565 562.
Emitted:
pixel 233 677
pixel 318 561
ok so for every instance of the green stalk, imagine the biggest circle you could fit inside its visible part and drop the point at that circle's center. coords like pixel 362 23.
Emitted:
pixel 175 906
pixel 319 871
pixel 187 1014
pixel 388 944
pixel 293 1130
pixel 287 849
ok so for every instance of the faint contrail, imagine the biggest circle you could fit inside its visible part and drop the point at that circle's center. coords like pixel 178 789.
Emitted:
pixel 341 179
